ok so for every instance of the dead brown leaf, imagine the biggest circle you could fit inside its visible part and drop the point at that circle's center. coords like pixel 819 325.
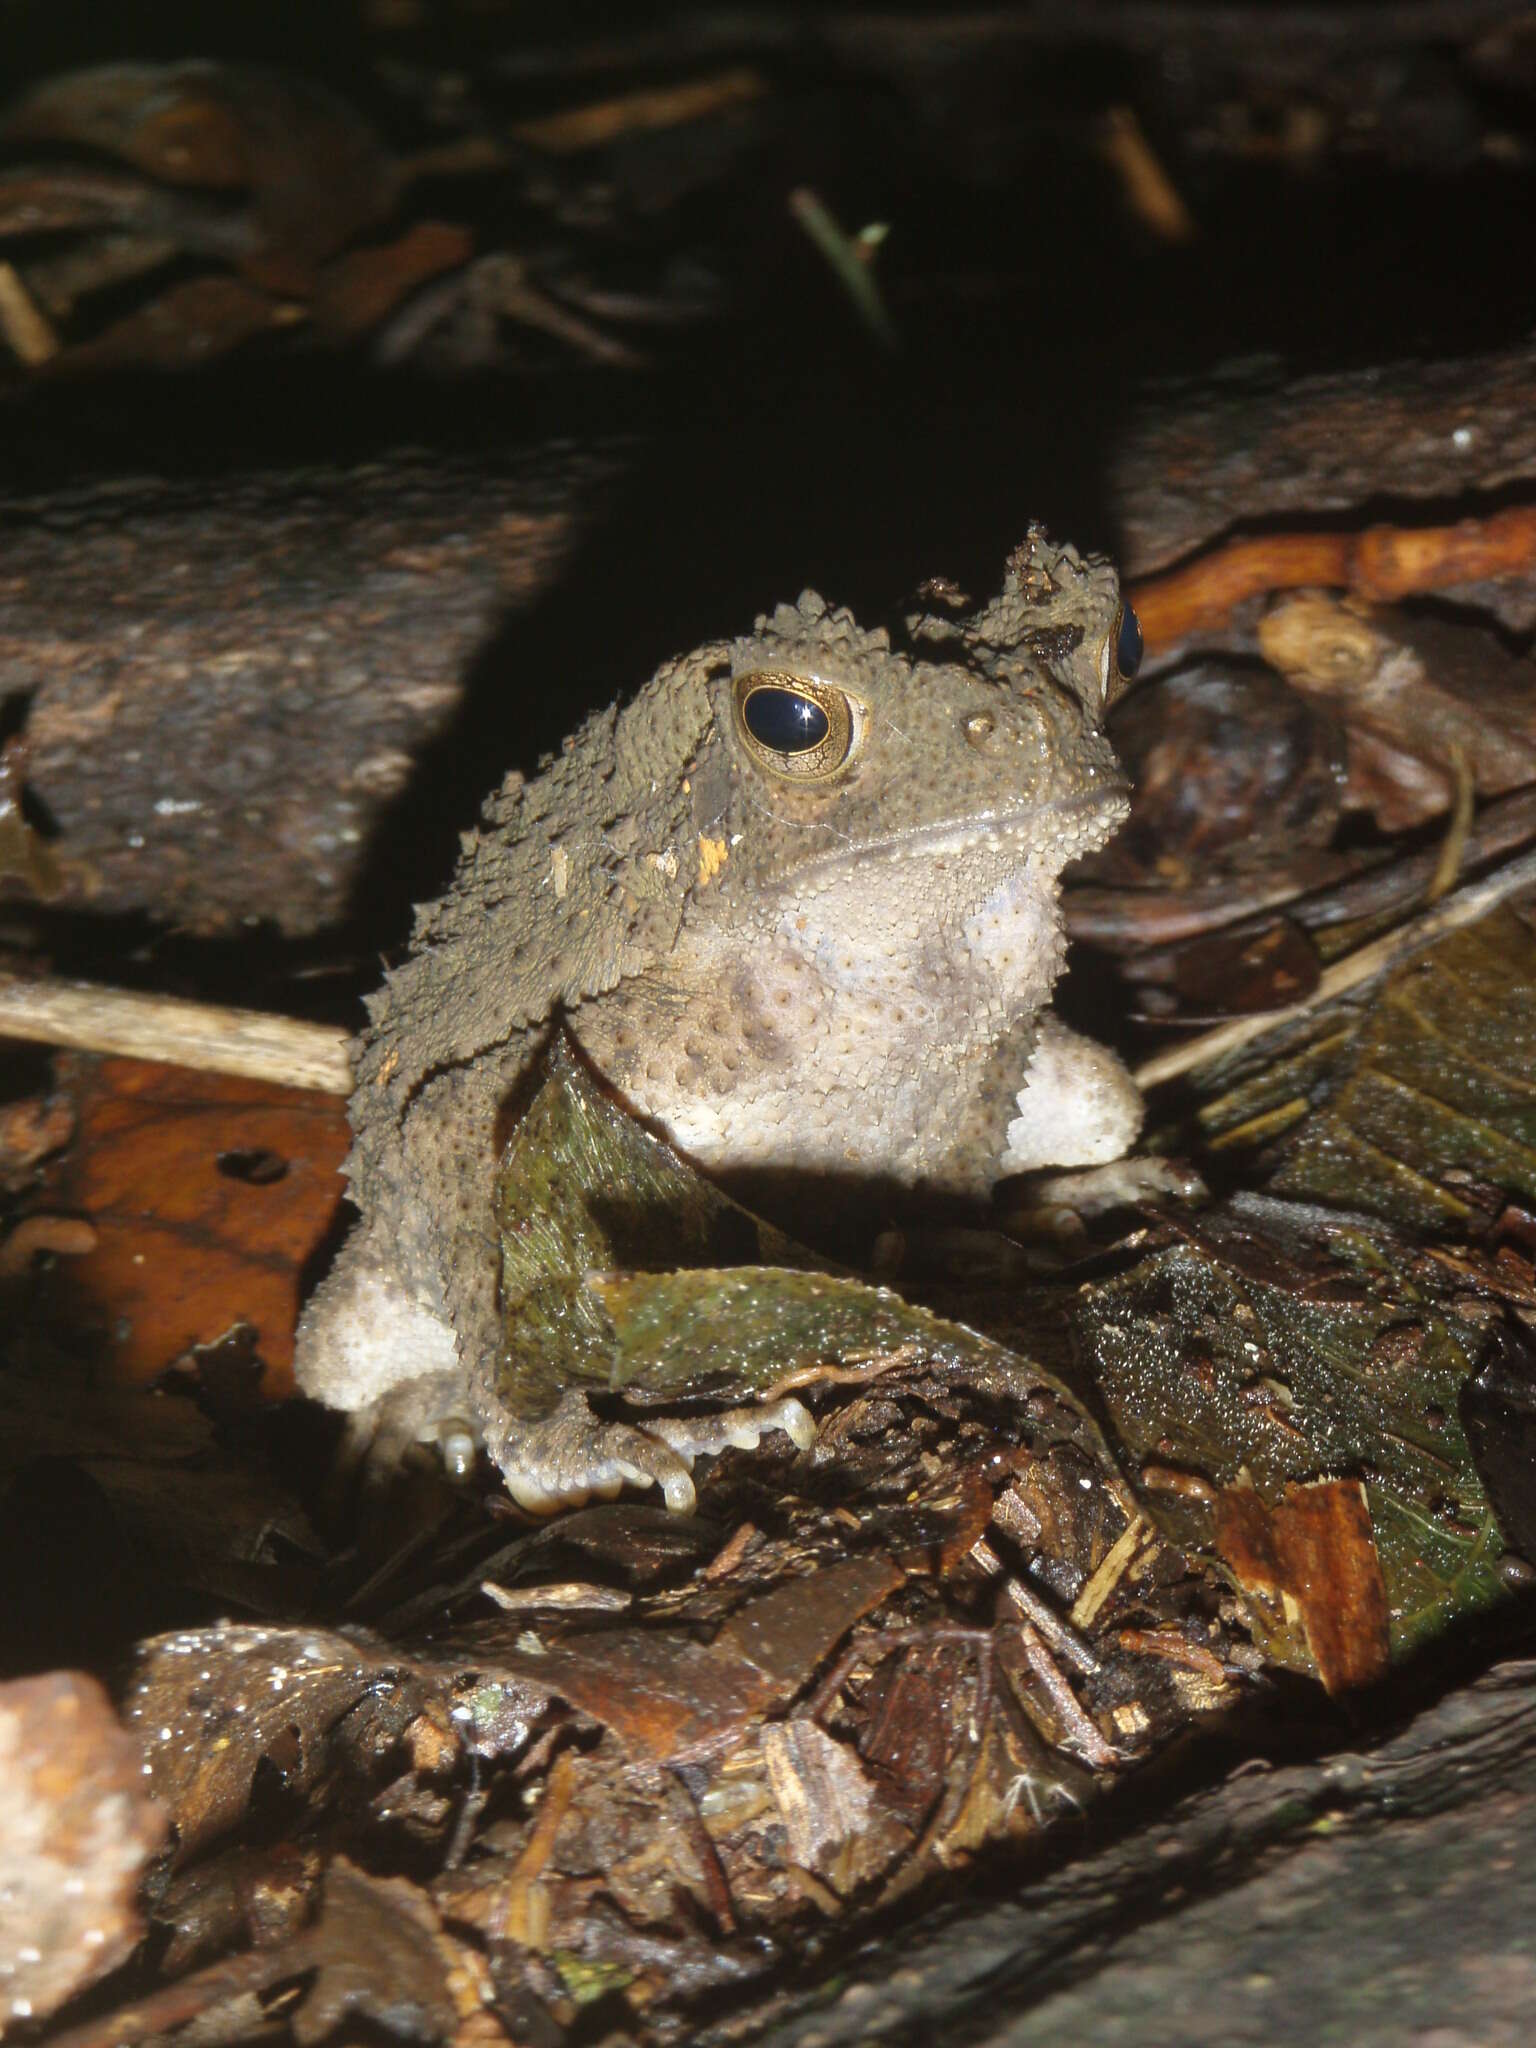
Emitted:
pixel 313 170
pixel 382 1957
pixel 353 294
pixel 186 326
pixel 668 1697
pixel 207 1195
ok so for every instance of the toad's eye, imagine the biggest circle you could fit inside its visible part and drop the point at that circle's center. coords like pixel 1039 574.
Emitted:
pixel 793 726
pixel 1129 645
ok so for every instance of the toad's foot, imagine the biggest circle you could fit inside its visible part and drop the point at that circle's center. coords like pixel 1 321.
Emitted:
pixel 569 1457
pixel 1054 1205
pixel 1141 1177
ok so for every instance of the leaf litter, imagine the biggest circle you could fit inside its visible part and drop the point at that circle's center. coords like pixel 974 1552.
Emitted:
pixel 952 1626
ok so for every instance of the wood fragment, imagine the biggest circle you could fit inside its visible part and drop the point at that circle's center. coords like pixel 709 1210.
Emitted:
pixel 1061 1636
pixel 607 121
pixel 1111 1570
pixel 1079 1723
pixel 1174 1648
pixel 523 1913
pixel 1149 191
pixel 203 1036
pixel 23 322
pixel 566 1596
pixel 1382 564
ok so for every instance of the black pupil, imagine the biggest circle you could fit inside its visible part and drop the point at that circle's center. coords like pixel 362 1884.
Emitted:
pixel 785 721
pixel 1128 648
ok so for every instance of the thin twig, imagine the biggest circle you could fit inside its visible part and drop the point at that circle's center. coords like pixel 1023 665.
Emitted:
pixel 1353 971
pixel 601 123
pixel 851 258
pixel 291 1054
pixel 1149 191
pixel 23 323
pixel 1382 564
pixel 205 1036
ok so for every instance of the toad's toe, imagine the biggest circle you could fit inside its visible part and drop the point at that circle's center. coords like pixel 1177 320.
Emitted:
pixel 572 1457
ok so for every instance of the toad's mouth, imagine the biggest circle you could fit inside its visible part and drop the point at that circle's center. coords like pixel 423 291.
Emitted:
pixel 1065 827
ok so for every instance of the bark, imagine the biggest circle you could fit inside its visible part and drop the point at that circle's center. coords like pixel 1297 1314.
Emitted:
pixel 225 685
pixel 1266 451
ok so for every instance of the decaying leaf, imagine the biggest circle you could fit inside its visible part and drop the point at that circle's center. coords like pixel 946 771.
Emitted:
pixel 1499 1414
pixel 380 1956
pixel 1425 702
pixel 1295 1379
pixel 1402 1105
pixel 624 1269
pixel 1276 1346
pixel 215 1706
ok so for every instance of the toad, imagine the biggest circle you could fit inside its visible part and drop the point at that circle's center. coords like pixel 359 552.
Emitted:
pixel 797 906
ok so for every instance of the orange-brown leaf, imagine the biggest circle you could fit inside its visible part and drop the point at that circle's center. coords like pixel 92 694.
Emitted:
pixel 208 1195
pixel 1316 1553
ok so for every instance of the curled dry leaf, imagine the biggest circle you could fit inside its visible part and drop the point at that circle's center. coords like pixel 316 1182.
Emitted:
pixel 311 168
pixel 1425 702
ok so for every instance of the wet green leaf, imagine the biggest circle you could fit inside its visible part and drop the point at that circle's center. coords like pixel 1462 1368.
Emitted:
pixel 1391 1105
pixel 1283 1345
pixel 1269 1350
pixel 1288 1342
pixel 624 1269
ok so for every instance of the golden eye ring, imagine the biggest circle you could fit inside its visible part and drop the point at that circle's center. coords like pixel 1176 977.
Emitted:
pixel 793 726
pixel 1120 656
pixel 1129 643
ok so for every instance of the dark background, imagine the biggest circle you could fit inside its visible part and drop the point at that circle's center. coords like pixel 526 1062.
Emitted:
pixel 1360 180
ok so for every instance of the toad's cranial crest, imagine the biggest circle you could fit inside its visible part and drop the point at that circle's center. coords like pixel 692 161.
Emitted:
pixel 797 902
